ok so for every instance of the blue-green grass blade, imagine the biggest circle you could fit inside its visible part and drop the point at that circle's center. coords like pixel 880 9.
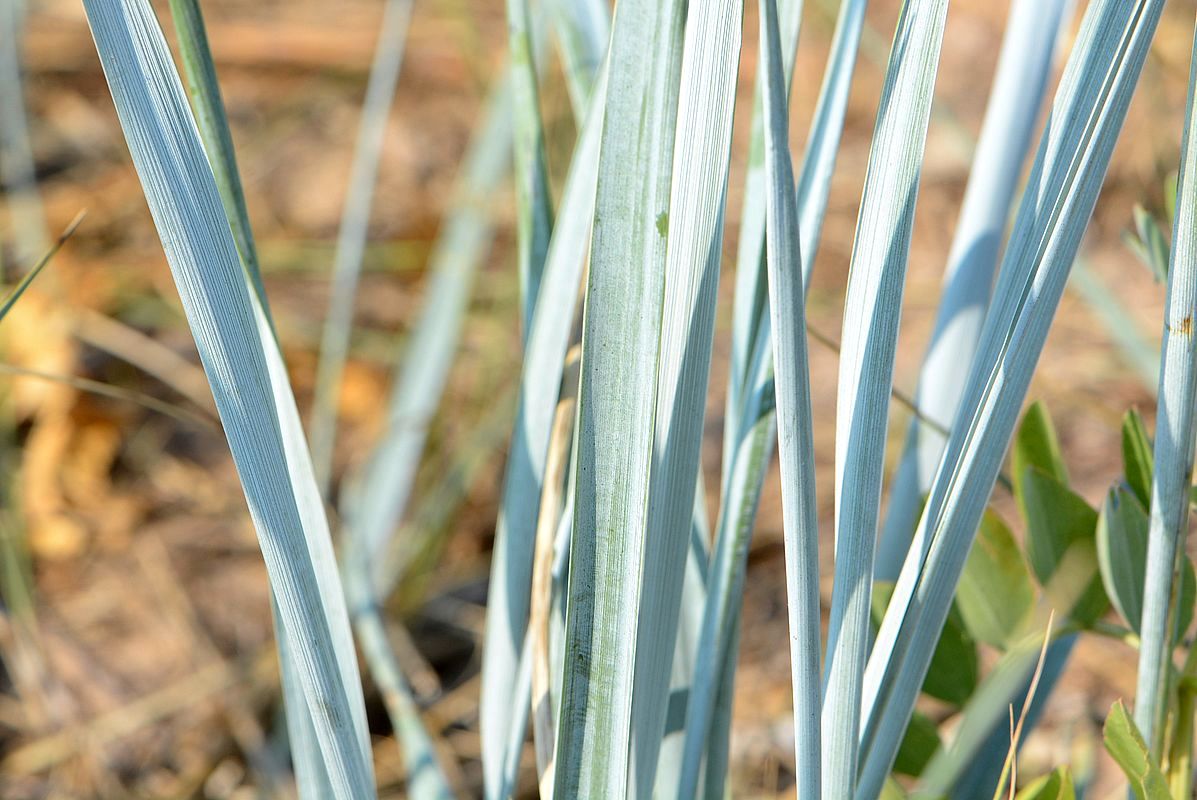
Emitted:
pixel 351 237
pixel 248 380
pixel 872 310
pixel 1174 440
pixel 1073 156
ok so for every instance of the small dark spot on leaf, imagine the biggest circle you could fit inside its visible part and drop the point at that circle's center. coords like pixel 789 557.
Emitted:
pixel 663 224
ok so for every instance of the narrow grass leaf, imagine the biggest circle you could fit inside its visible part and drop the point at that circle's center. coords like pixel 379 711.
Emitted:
pixel 583 28
pixel 29 277
pixel 795 437
pixel 17 168
pixel 351 237
pixel 1176 422
pixel 378 493
pixel 749 426
pixel 1087 116
pixel 872 310
pixel 750 305
pixel 714 669
pixel 540 383
pixel 210 116
pixel 1015 100
pixel 534 206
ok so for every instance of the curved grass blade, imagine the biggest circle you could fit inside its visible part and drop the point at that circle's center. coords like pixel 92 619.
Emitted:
pixel 351 238
pixel 248 380
pixel 424 777
pixel 714 667
pixel 311 778
pixel 1024 66
pixel 794 433
pixel 747 439
pixel 1087 115
pixel 689 629
pixel 617 398
pixel 871 313
pixel 1176 425
pixel 749 301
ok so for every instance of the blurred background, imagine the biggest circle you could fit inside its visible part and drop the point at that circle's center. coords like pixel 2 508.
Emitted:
pixel 136 638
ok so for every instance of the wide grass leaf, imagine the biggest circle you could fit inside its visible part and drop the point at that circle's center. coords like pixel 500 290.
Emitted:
pixel 248 380
pixel 617 398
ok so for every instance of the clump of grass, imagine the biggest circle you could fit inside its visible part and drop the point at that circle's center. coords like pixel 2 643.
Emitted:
pixel 602 527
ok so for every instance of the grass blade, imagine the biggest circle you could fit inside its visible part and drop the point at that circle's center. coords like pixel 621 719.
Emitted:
pixel 248 380
pixel 794 433
pixel 748 437
pixel 351 238
pixel 719 638
pixel 583 27
pixel 749 302
pixel 1023 70
pixel 540 382
pixel 871 313
pixel 29 277
pixel 1174 437
pixel 377 495
pixel 17 170
pixel 213 122
pixel 620 340
pixel 534 206
pixel 693 229
pixel 1086 118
